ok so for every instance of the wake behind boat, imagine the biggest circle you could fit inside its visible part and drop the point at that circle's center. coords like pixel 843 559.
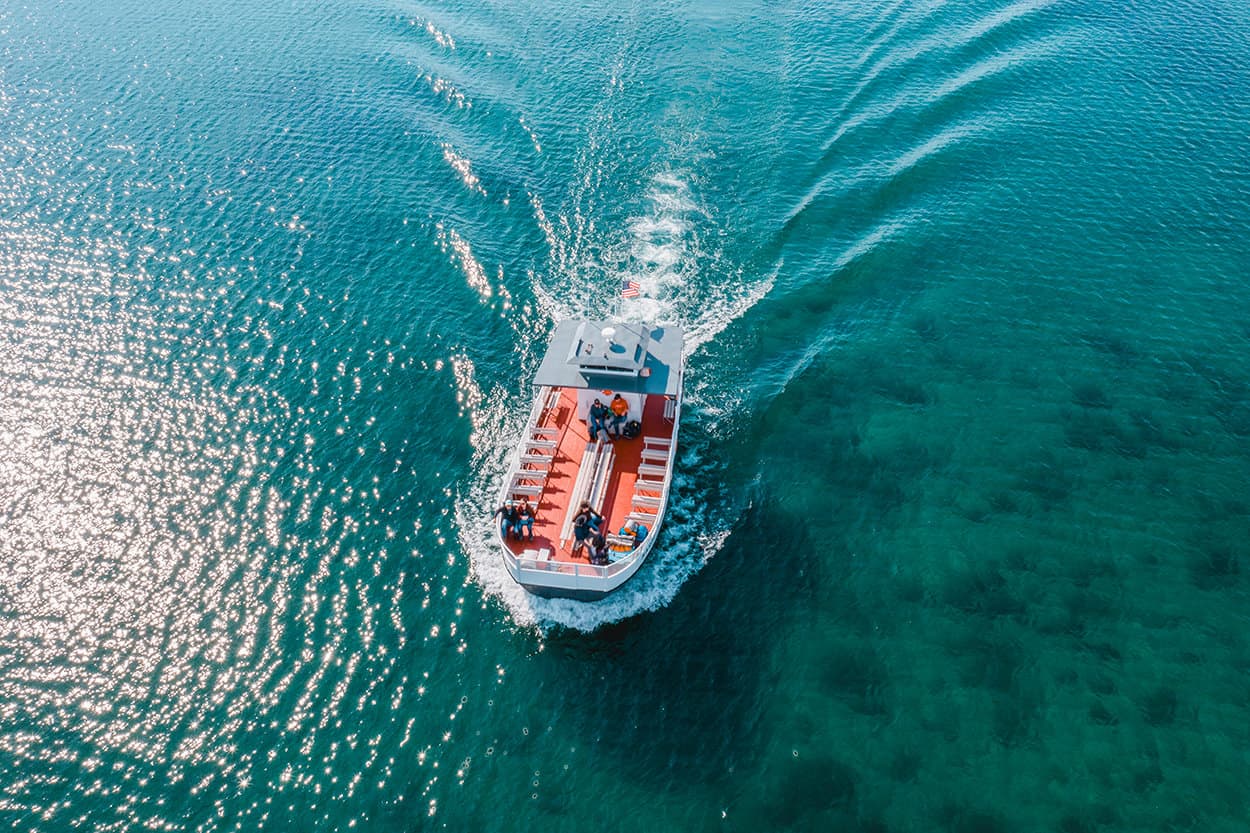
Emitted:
pixel 573 453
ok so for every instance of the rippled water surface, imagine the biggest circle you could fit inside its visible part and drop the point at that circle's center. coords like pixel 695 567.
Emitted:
pixel 961 523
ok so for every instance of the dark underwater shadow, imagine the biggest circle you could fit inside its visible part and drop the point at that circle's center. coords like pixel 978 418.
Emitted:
pixel 675 696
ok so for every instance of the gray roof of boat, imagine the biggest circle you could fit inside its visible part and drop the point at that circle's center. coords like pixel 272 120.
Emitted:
pixel 631 357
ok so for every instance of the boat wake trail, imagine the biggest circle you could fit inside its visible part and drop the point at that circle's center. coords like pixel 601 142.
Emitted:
pixel 680 278
pixel 661 247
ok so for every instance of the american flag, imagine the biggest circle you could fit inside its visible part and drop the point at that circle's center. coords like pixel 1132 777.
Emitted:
pixel 630 289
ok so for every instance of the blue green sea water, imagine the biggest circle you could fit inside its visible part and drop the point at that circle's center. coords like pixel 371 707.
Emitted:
pixel 960 534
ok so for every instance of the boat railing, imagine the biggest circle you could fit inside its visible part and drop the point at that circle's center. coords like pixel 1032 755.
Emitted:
pixel 574 568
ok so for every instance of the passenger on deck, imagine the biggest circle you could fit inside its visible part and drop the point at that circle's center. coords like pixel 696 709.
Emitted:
pixel 620 410
pixel 599 549
pixel 598 419
pixel 507 515
pixel 634 530
pixel 525 518
pixel 594 518
pixel 581 529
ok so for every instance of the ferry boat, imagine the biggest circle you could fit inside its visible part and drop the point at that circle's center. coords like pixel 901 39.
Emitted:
pixel 558 465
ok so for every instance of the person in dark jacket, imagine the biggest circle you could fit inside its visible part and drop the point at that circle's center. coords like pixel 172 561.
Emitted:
pixel 599 414
pixel 525 521
pixel 581 529
pixel 502 513
pixel 599 549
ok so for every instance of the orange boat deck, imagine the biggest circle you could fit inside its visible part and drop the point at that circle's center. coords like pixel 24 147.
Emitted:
pixel 552 505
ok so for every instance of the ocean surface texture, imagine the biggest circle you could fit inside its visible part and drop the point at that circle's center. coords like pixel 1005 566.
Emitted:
pixel 960 537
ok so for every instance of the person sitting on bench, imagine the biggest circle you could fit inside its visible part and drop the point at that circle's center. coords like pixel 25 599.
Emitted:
pixel 598 419
pixel 636 531
pixel 620 410
pixel 525 519
pixel 508 515
pixel 581 529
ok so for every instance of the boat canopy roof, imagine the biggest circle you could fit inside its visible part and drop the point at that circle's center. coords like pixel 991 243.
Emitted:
pixel 630 357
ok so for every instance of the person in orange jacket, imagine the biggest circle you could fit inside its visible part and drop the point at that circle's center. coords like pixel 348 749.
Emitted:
pixel 620 409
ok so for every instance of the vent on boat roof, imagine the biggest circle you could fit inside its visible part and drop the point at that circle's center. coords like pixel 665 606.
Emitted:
pixel 621 349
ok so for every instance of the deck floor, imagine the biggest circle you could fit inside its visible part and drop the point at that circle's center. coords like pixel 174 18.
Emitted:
pixel 574 435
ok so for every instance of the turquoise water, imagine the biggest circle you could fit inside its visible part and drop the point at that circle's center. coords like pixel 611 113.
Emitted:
pixel 960 526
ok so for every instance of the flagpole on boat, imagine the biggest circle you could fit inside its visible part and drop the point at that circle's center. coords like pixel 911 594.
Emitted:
pixel 627 289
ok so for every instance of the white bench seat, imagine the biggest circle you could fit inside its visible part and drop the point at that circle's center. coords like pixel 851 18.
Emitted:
pixel 648 470
pixel 526 490
pixel 643 485
pixel 647 500
pixel 655 455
